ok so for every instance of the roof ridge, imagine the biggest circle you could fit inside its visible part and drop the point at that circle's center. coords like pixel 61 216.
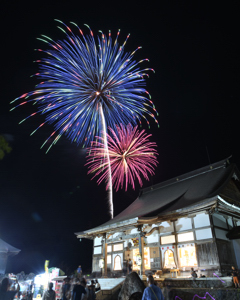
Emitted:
pixel 185 176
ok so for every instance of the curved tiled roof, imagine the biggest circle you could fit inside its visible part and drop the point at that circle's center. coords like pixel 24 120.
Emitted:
pixel 177 193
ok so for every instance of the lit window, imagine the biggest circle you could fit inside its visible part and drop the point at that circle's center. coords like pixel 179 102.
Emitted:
pixel 187 256
pixel 169 239
pixel 97 250
pixel 118 247
pixel 97 241
pixel 201 220
pixel 169 261
pixel 117 263
pixel 184 237
pixel 203 234
pixel 109 248
pixel 183 224
pixel 166 227
pixel 109 259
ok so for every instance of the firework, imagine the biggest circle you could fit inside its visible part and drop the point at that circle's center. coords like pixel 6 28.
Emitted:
pixel 79 75
pixel 87 84
pixel 131 155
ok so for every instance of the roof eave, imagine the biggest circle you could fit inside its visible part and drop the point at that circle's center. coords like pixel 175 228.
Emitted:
pixel 106 228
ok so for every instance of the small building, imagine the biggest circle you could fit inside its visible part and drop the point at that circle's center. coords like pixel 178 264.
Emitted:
pixel 188 221
pixel 6 250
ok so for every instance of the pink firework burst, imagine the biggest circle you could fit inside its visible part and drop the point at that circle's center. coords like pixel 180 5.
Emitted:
pixel 131 155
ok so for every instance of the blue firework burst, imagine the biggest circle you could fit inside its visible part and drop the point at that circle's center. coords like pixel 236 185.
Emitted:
pixel 79 75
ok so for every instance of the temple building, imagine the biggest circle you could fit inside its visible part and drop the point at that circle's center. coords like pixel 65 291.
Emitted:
pixel 189 221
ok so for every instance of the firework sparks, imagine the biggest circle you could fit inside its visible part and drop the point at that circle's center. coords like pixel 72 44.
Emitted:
pixel 78 74
pixel 86 85
pixel 131 156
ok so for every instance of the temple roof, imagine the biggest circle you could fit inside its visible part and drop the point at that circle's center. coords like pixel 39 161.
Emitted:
pixel 8 249
pixel 175 194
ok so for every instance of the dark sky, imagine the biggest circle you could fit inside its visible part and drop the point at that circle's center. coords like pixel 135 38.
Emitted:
pixel 194 50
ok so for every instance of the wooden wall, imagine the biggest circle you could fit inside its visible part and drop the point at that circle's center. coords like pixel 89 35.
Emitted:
pixel 226 254
pixel 207 254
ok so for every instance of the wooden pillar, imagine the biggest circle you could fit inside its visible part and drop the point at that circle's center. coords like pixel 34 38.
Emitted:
pixel 141 252
pixel 143 263
pixel 105 256
pixel 105 260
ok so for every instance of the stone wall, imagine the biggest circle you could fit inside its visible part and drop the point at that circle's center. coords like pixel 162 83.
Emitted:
pixel 186 288
pixel 215 282
pixel 108 294
pixel 208 282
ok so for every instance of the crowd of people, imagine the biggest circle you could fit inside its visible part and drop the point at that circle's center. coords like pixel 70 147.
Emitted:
pixel 79 289
pixel 72 289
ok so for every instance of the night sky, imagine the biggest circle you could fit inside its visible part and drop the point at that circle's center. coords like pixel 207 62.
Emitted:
pixel 45 198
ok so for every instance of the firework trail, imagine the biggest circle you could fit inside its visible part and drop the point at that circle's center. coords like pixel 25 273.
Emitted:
pixel 131 156
pixel 86 82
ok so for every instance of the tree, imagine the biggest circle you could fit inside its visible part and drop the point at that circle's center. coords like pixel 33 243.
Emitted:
pixel 4 147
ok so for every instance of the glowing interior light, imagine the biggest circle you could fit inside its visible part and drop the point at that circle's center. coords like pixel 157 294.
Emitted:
pixel 187 256
pixel 146 258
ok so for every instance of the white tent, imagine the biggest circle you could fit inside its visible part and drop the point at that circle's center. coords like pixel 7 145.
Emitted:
pixel 6 250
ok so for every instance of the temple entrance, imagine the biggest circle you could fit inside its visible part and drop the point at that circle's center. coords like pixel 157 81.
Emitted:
pixel 169 261
pixel 117 261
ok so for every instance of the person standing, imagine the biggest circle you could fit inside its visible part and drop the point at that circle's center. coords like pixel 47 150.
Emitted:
pixel 97 286
pixel 50 293
pixel 129 266
pixel 79 271
pixel 5 293
pixel 92 293
pixel 78 290
pixel 235 277
pixel 152 292
pixel 66 289
pixel 84 284
pixel 193 273
pixel 29 291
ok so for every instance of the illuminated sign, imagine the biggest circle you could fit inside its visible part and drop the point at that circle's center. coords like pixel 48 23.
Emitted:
pixel 187 255
pixel 46 265
pixel 136 260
